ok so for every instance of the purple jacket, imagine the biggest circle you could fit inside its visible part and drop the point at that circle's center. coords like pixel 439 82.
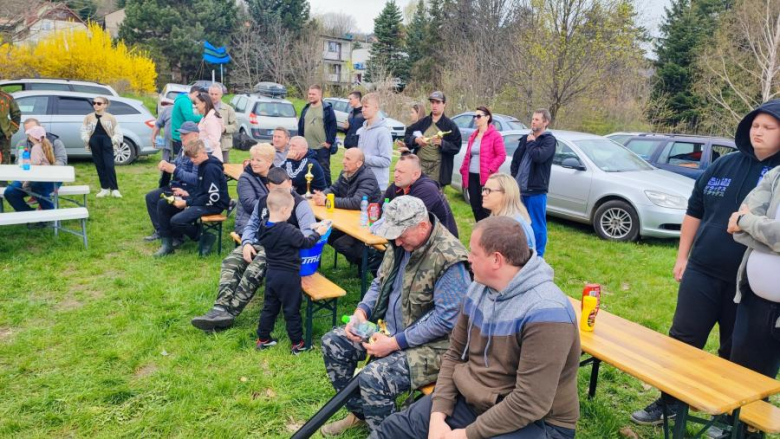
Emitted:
pixel 492 154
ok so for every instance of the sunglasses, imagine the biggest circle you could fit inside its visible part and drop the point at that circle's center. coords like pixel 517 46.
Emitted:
pixel 479 116
pixel 99 104
pixel 488 191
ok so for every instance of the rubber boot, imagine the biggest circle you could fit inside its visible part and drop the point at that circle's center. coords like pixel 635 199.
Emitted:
pixel 166 248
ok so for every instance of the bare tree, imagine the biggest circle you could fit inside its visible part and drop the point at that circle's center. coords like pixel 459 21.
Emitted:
pixel 337 24
pixel 259 56
pixel 305 59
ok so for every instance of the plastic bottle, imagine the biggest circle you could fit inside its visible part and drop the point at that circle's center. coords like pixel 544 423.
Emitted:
pixel 26 160
pixel 387 200
pixel 19 154
pixel 364 211
pixel 363 329
pixel 588 317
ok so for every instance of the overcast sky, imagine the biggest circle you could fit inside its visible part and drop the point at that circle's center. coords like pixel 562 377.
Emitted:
pixel 365 11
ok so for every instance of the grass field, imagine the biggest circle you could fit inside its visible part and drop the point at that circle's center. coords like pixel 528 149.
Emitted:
pixel 97 342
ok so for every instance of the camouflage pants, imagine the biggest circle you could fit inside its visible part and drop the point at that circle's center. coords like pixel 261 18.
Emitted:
pixel 238 280
pixel 5 149
pixel 380 382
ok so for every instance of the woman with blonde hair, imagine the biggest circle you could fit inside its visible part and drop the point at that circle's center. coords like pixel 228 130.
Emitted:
pixel 41 154
pixel 252 184
pixel 501 196
pixel 101 135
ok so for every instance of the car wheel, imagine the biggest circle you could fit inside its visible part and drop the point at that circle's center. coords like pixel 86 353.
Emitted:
pixel 616 221
pixel 466 195
pixel 125 153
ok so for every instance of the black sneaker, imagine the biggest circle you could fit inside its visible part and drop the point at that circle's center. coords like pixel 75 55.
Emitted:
pixel 653 414
pixel 207 241
pixel 153 237
pixel 216 318
pixel 264 344
pixel 299 348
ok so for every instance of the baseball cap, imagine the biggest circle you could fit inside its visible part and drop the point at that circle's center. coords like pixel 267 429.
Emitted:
pixel 400 214
pixel 37 132
pixel 437 96
pixel 188 127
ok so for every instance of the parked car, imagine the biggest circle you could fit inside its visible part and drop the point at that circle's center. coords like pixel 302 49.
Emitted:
pixel 679 153
pixel 169 94
pixel 205 84
pixel 502 122
pixel 258 115
pixel 599 182
pixel 62 113
pixel 341 108
pixel 94 88
pixel 270 89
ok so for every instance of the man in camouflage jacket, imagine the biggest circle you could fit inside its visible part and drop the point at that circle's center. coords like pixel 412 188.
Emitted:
pixel 10 118
pixel 417 293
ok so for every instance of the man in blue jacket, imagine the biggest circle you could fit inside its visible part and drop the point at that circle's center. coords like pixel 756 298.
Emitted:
pixel 318 126
pixel 210 197
pixel 531 166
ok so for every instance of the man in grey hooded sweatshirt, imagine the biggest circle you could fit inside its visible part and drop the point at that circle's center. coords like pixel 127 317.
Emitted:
pixel 376 141
pixel 511 368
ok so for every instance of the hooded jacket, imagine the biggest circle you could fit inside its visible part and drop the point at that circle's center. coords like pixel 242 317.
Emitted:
pixel 212 190
pixel 297 169
pixel 328 119
pixel 185 175
pixel 376 142
pixel 492 154
pixel 355 120
pixel 718 193
pixel 513 355
pixel 430 193
pixel 536 179
pixel 182 112
pixel 450 144
pixel 250 188
pixel 349 192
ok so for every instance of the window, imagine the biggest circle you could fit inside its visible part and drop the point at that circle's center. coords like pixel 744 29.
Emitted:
pixel 241 103
pixel 510 144
pixel 334 69
pixel 719 151
pixel 47 86
pixel 10 88
pixel 33 104
pixel 463 121
pixel 342 106
pixel 120 108
pixel 498 125
pixel 610 156
pixel 334 47
pixel 172 95
pixel 620 138
pixel 563 152
pixel 74 106
pixel 516 125
pixel 94 89
pixel 643 147
pixel 274 109
pixel 685 154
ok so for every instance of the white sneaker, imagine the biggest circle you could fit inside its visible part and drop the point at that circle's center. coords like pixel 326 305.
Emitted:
pixel 115 193
pixel 103 193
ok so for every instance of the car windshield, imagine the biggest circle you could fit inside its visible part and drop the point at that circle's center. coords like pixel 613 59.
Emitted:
pixel 611 157
pixel 516 125
pixel 274 109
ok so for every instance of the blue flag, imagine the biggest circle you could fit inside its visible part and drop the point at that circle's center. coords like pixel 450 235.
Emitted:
pixel 215 55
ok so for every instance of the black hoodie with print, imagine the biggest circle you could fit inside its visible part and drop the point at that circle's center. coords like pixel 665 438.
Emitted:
pixel 718 193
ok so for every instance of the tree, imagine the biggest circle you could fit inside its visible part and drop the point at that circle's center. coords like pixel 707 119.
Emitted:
pixel 174 30
pixel 387 53
pixel 294 14
pixel 416 33
pixel 336 24
pixel 85 8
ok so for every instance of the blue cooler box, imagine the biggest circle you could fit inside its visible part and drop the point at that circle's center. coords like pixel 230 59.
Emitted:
pixel 310 257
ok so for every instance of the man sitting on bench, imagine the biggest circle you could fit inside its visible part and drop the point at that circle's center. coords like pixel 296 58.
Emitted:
pixel 209 198
pixel 243 270
pixel 511 367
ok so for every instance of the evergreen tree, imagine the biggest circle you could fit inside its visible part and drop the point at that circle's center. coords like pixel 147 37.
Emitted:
pixel 84 8
pixel 416 34
pixel 294 14
pixel 387 54
pixel 174 30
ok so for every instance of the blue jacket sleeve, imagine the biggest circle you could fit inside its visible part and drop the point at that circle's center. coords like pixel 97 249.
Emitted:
pixel 302 120
pixel 189 176
pixel 252 226
pixel 247 195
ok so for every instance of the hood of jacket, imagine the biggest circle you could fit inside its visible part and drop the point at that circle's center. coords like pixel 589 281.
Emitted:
pixel 742 137
pixel 380 122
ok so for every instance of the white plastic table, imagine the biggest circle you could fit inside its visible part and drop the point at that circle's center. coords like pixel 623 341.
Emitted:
pixel 43 174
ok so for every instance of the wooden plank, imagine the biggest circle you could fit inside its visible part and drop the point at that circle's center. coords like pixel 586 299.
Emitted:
pixel 318 287
pixel 761 415
pixel 233 170
pixel 347 221
pixel 213 218
pixel 702 380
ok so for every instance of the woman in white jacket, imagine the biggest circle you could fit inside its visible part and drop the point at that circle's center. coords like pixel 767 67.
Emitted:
pixel 101 135
pixel 210 126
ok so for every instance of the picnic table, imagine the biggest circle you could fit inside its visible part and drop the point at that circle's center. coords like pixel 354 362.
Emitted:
pixel 42 174
pixel 348 221
pixel 233 170
pixel 698 379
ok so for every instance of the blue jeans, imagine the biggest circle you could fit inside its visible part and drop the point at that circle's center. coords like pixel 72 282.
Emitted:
pixel 15 195
pixel 537 209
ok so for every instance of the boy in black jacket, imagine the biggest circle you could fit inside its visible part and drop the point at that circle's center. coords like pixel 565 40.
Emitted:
pixel 282 242
pixel 210 197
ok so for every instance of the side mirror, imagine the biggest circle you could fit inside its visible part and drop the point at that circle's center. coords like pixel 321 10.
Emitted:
pixel 572 163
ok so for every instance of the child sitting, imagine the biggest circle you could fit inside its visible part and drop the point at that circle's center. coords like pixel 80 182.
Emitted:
pixel 282 242
pixel 41 154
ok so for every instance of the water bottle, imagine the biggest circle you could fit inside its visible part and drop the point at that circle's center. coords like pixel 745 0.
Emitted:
pixel 364 211
pixel 363 329
pixel 387 200
pixel 26 160
pixel 19 154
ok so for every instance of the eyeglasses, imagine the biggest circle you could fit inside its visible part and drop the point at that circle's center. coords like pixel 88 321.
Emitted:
pixel 97 104
pixel 479 116
pixel 488 191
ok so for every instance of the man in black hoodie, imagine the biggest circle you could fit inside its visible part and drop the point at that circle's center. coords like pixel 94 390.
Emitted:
pixel 210 197
pixel 708 257
pixel 354 120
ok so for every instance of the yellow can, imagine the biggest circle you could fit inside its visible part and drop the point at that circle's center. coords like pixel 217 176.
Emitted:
pixel 330 202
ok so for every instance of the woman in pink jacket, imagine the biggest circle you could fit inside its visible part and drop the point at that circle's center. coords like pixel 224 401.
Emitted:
pixel 484 155
pixel 210 126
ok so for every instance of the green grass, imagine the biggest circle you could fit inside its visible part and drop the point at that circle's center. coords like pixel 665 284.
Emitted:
pixel 97 342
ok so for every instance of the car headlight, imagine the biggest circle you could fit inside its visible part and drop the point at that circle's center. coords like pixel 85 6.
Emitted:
pixel 667 200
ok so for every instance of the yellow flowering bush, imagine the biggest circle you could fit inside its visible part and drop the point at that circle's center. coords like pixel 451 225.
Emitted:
pixel 83 55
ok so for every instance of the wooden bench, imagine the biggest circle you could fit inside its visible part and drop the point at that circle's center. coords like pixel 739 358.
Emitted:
pixel 52 215
pixel 213 222
pixel 237 239
pixel 762 416
pixel 321 294
pixel 712 385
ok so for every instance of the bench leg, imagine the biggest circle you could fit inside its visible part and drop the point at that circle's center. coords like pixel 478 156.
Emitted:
pixel 56 206
pixel 335 257
pixel 309 317
pixel 737 430
pixel 594 378
pixel 84 231
pixel 219 239
pixel 681 420
pixel 335 311
pixel 364 272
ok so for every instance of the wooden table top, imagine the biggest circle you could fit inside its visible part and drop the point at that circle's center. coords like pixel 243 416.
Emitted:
pixel 704 381
pixel 44 174
pixel 347 221
pixel 233 170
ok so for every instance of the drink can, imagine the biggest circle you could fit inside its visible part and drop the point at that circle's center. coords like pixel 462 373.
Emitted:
pixel 592 290
pixel 374 212
pixel 330 202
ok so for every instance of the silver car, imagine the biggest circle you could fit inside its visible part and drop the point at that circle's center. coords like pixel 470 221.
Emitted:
pixel 342 109
pixel 599 182
pixel 169 94
pixel 258 115
pixel 32 84
pixel 62 113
